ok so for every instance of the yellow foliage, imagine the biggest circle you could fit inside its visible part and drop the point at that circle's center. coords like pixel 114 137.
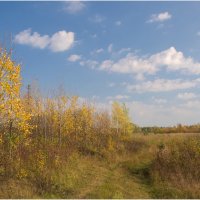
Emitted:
pixel 22 173
pixel 41 161
pixel 121 120
pixel 12 112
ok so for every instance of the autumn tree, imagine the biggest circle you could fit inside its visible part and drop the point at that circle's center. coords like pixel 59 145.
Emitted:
pixel 14 119
pixel 121 120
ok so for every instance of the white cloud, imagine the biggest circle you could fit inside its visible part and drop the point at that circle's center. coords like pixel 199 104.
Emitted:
pixel 74 58
pixel 175 60
pixel 110 48
pixel 123 50
pixel 60 41
pixel 106 65
pixel 186 96
pixel 171 59
pixel 73 7
pixel 117 97
pixel 99 50
pixel 118 23
pixel 198 33
pixel 89 63
pixel 35 40
pixel 129 64
pixel 145 114
pixel 162 85
pixel 160 17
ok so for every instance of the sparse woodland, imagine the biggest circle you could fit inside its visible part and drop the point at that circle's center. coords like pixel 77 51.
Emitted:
pixel 61 147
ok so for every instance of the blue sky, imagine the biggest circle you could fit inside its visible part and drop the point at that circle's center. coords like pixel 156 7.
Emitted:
pixel 145 54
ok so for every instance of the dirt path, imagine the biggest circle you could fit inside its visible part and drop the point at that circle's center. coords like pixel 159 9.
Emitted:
pixel 94 183
pixel 114 183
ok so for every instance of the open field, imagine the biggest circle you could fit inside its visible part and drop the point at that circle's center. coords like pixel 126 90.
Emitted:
pixel 134 172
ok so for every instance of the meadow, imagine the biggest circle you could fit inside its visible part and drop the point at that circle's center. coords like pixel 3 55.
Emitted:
pixel 150 166
pixel 61 147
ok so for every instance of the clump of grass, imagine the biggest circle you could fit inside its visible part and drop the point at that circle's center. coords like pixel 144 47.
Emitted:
pixel 134 145
pixel 177 167
pixel 12 188
pixel 166 191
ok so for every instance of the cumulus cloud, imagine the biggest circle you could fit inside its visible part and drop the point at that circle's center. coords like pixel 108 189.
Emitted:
pixel 171 59
pixel 74 58
pixel 35 40
pixel 74 7
pixel 129 64
pixel 186 96
pixel 60 41
pixel 160 17
pixel 175 60
pixel 162 85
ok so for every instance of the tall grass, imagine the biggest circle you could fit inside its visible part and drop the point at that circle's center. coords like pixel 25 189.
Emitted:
pixel 177 165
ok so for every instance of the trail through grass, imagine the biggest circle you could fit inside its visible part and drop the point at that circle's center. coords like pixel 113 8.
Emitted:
pixel 124 175
pixel 119 184
pixel 114 182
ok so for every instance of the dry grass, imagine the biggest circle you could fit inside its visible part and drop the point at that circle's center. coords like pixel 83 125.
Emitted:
pixel 177 165
pixel 149 166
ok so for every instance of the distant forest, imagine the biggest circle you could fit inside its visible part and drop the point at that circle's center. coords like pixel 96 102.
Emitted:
pixel 179 128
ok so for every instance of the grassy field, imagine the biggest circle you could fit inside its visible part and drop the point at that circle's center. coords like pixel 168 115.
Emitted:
pixel 150 166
